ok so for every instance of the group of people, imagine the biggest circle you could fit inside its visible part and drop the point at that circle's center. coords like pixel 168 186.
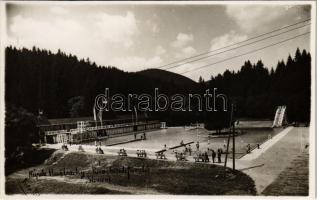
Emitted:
pixel 204 156
pixel 180 155
pixel 64 147
pixel 188 150
pixel 215 154
pixel 99 150
pixel 122 152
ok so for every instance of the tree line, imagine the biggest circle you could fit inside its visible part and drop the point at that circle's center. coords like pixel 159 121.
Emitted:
pixel 62 86
pixel 257 90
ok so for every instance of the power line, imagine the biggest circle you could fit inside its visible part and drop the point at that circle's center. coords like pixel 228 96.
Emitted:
pixel 201 58
pixel 285 27
pixel 249 52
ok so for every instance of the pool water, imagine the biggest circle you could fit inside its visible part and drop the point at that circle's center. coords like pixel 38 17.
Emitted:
pixel 155 140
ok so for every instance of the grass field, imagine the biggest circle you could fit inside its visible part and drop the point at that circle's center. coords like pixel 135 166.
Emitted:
pixel 41 186
pixel 164 177
pixel 293 181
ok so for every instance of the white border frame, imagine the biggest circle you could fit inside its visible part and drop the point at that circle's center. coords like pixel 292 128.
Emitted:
pixel 312 129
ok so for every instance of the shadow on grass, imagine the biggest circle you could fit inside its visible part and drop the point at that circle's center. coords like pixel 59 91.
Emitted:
pixel 30 158
pixel 244 169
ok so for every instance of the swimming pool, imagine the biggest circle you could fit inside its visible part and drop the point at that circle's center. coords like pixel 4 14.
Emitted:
pixel 156 140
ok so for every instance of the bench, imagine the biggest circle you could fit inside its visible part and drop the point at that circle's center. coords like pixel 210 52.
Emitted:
pixel 122 152
pixel 160 154
pixel 180 157
pixel 141 154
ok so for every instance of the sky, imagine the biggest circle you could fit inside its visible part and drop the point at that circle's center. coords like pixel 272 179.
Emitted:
pixel 134 37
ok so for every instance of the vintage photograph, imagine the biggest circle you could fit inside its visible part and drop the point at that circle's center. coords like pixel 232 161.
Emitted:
pixel 158 98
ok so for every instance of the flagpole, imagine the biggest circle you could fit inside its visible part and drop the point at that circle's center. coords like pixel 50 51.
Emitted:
pixel 95 117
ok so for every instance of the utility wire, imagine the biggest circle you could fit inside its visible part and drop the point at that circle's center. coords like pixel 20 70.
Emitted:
pixel 201 58
pixel 285 27
pixel 249 52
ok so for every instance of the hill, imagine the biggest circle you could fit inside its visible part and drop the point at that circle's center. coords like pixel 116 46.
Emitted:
pixel 168 76
pixel 64 86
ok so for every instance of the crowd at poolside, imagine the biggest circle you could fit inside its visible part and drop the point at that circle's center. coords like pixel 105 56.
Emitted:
pixel 181 152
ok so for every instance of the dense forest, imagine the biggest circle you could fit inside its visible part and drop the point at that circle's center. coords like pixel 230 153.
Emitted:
pixel 64 86
pixel 256 91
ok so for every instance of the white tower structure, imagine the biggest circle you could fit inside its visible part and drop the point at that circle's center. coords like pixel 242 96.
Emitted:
pixel 280 117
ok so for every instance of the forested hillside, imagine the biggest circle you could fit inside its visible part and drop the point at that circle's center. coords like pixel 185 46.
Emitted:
pixel 63 86
pixel 257 91
pixel 55 83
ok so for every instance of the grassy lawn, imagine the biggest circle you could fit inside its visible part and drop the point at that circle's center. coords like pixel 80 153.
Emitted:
pixel 293 181
pixel 164 176
pixel 184 178
pixel 53 187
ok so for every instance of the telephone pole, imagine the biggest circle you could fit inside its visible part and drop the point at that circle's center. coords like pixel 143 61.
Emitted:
pixel 233 139
pixel 231 125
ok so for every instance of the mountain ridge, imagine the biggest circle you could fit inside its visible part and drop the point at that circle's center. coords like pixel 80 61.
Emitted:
pixel 167 76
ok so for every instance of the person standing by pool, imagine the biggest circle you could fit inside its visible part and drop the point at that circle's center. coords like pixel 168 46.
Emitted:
pixel 197 145
pixel 206 158
pixel 213 155
pixel 219 155
pixel 248 148
pixel 190 150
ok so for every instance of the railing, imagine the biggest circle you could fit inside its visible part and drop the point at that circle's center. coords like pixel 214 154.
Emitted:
pixel 56 132
pixel 96 128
